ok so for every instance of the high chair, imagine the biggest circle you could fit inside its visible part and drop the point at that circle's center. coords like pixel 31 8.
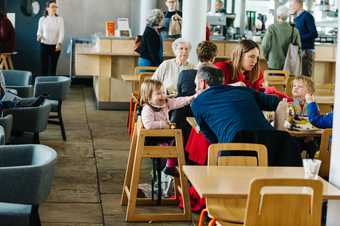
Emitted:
pixel 135 96
pixel 276 78
pixel 139 151
pixel 325 152
pixel 231 212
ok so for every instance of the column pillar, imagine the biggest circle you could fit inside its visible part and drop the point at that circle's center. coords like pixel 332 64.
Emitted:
pixel 242 13
pixel 194 24
pixel 145 7
pixel 333 217
pixel 212 6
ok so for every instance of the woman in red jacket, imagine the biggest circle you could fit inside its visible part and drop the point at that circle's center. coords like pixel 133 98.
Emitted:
pixel 243 69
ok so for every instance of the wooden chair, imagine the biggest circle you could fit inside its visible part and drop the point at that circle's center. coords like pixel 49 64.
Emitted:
pixel 230 212
pixel 276 78
pixel 289 85
pixel 272 207
pixel 138 151
pixel 325 153
pixel 6 62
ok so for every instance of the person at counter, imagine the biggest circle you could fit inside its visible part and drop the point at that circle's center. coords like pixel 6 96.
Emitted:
pixel 243 69
pixel 277 38
pixel 304 22
pixel 151 48
pixel 219 7
pixel 169 70
pixel 168 14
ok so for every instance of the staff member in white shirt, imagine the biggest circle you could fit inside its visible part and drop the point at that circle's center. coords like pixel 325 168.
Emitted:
pixel 51 36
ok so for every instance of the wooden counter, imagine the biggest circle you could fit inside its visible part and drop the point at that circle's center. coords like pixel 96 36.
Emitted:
pixel 108 59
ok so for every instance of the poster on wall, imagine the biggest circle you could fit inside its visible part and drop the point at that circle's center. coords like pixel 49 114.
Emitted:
pixel 11 17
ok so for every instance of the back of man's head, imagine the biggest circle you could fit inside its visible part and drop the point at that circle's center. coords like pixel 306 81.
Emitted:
pixel 210 74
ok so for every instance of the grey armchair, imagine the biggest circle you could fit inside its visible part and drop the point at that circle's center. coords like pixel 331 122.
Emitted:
pixel 56 89
pixel 26 175
pixel 21 81
pixel 7 123
pixel 30 119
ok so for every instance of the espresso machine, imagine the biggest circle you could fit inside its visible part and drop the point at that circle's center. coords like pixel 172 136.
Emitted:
pixel 221 25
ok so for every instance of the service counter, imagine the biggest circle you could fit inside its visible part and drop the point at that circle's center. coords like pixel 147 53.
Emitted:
pixel 109 58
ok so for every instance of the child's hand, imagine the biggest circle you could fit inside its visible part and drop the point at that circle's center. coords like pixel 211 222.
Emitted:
pixel 309 98
pixel 238 84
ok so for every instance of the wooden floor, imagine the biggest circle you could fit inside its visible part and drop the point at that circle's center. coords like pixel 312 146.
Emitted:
pixel 91 166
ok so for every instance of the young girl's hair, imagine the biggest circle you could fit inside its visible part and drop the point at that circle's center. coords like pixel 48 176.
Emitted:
pixel 147 87
pixel 307 82
pixel 243 47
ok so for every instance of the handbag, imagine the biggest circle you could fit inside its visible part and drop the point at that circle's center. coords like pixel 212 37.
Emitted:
pixel 293 61
pixel 175 26
pixel 137 44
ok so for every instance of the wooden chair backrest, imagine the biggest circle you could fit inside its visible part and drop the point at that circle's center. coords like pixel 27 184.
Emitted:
pixel 289 86
pixel 260 159
pixel 145 70
pixel 277 78
pixel 324 89
pixel 233 210
pixel 272 207
pixel 325 152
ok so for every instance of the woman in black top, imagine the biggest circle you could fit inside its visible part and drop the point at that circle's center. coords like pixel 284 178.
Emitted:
pixel 151 49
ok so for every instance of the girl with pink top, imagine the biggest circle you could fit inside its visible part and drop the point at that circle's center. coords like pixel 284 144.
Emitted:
pixel 155 113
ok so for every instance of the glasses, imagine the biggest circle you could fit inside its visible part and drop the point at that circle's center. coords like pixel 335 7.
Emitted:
pixel 54 7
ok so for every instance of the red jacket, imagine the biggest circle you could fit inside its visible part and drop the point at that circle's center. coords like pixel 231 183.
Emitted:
pixel 257 85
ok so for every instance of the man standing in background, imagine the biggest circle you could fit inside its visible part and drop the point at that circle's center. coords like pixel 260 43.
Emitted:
pixel 304 22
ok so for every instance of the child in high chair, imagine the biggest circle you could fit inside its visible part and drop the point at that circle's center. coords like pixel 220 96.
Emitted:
pixel 301 86
pixel 155 114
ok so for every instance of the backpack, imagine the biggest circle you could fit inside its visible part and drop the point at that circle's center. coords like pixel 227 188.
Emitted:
pixel 137 44
pixel 293 61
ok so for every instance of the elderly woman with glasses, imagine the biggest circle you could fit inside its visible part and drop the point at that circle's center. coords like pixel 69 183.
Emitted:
pixel 151 48
pixel 169 70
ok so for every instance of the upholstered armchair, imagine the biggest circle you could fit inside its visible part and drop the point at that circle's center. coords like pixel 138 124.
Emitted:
pixel 55 88
pixel 21 81
pixel 26 175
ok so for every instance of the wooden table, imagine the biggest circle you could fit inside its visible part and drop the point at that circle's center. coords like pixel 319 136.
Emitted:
pixel 234 182
pixel 305 133
pixel 130 78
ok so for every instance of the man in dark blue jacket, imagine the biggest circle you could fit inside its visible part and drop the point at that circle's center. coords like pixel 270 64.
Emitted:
pixel 304 22
pixel 234 114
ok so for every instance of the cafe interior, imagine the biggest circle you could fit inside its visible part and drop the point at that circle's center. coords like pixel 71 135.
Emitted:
pixel 169 112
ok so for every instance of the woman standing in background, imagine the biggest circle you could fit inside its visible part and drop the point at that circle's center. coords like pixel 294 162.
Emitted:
pixel 151 48
pixel 51 36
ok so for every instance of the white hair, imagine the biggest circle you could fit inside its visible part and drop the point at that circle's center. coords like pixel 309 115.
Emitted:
pixel 282 12
pixel 155 17
pixel 180 41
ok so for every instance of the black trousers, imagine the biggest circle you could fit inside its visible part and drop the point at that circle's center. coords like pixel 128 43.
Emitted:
pixel 49 59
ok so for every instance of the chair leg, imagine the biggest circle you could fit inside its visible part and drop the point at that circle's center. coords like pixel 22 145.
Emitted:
pixel 61 122
pixel 36 138
pixel 34 217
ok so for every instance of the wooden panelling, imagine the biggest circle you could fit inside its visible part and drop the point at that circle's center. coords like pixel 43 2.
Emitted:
pixel 167 49
pixel 123 47
pixel 120 90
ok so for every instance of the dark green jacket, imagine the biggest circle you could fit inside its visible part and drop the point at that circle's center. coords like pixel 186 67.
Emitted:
pixel 275 44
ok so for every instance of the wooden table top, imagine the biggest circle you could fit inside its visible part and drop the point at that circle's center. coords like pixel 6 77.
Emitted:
pixel 234 182
pixel 305 133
